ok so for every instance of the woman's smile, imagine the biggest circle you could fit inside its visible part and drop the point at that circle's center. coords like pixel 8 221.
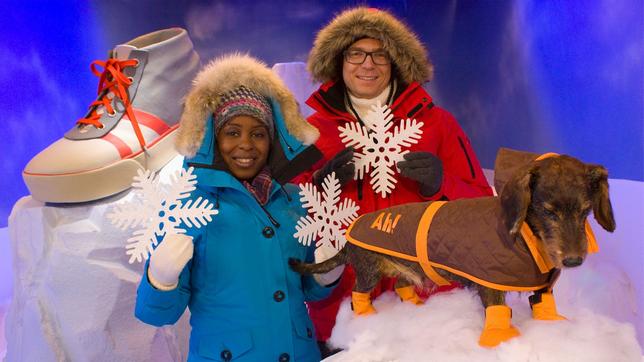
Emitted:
pixel 244 144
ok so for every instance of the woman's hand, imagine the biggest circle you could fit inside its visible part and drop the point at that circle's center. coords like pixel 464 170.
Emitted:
pixel 168 260
pixel 324 253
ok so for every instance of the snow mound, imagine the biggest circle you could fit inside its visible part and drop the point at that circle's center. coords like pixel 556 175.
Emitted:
pixel 447 326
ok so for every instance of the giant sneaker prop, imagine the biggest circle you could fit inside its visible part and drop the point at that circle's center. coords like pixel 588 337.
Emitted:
pixel 130 126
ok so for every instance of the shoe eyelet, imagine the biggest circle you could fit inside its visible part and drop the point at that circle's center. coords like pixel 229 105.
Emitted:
pixel 111 114
pixel 101 126
pixel 131 79
pixel 136 65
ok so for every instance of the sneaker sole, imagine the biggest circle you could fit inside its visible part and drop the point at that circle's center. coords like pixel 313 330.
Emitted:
pixel 101 182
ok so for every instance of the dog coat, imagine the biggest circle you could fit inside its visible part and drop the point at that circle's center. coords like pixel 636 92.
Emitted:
pixel 465 237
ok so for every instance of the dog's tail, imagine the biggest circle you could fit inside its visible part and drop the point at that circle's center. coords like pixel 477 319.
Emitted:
pixel 326 266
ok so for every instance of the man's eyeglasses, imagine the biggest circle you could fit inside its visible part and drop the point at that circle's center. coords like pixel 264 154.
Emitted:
pixel 355 56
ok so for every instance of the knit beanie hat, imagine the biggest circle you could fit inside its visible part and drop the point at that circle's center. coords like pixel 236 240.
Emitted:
pixel 243 101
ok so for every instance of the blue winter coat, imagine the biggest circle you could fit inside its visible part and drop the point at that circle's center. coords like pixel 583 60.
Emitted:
pixel 243 297
pixel 246 303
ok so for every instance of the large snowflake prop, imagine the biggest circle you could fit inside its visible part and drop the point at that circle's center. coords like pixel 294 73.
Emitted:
pixel 378 149
pixel 326 220
pixel 157 210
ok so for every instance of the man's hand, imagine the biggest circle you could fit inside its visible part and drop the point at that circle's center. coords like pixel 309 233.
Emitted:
pixel 340 164
pixel 425 168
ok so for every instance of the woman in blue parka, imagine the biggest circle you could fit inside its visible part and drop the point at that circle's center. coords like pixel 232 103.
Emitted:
pixel 242 133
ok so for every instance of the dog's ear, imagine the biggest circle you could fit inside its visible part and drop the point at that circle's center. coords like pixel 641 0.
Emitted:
pixel 515 198
pixel 598 186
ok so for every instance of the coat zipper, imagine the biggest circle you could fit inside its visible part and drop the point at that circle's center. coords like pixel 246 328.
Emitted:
pixel 268 214
pixel 323 103
pixel 469 162
pixel 290 149
pixel 270 217
pixel 288 197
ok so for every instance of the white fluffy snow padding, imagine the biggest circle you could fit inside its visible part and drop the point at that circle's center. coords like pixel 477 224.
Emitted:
pixel 448 326
pixel 74 290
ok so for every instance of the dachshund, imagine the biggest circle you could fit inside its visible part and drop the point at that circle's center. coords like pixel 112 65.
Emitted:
pixel 517 241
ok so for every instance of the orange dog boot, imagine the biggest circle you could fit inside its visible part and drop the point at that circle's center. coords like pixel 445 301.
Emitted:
pixel 408 294
pixel 545 309
pixel 498 327
pixel 361 303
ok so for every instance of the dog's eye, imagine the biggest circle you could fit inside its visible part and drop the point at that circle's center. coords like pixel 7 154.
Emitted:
pixel 551 214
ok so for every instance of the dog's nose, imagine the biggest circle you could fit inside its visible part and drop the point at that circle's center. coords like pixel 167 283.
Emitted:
pixel 572 262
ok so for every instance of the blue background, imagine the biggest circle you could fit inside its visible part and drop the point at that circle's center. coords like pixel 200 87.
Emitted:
pixel 560 76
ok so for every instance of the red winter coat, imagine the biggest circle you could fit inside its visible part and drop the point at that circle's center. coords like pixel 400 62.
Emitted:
pixel 442 136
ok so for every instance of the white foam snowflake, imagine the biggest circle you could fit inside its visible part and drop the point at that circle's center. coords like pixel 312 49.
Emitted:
pixel 327 217
pixel 379 149
pixel 157 210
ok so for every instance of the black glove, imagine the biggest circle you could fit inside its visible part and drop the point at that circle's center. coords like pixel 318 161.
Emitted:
pixel 425 168
pixel 340 164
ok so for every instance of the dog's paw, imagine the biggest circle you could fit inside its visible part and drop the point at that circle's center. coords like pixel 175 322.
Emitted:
pixel 495 336
pixel 544 308
pixel 498 326
pixel 408 294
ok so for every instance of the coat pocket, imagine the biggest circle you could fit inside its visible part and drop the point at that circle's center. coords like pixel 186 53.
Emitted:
pixel 224 346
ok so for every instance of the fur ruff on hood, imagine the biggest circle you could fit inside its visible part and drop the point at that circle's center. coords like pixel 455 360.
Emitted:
pixel 224 74
pixel 408 53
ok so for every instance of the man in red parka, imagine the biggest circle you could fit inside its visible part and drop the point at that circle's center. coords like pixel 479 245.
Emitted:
pixel 365 56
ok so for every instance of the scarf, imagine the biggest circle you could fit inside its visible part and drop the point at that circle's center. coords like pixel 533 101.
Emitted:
pixel 360 107
pixel 260 186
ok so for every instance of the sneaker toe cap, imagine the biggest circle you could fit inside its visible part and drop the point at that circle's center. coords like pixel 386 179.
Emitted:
pixel 73 156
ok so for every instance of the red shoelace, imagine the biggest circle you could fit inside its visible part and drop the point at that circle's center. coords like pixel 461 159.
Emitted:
pixel 112 80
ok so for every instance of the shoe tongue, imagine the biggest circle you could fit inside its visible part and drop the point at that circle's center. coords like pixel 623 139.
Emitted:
pixel 122 52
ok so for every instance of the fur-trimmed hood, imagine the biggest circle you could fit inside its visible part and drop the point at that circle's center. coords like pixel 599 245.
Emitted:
pixel 408 53
pixel 292 150
pixel 227 73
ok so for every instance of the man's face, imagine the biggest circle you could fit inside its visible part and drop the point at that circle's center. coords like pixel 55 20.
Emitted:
pixel 366 80
pixel 244 143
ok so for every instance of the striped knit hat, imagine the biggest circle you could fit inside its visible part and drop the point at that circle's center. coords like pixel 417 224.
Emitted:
pixel 243 101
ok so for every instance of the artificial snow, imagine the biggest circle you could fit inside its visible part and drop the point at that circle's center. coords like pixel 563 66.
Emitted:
pixel 6 285
pixel 448 325
pixel 74 290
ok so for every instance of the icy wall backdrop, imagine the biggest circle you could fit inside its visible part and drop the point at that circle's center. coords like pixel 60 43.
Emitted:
pixel 563 76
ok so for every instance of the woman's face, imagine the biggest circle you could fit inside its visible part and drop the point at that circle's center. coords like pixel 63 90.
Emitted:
pixel 244 143
pixel 366 80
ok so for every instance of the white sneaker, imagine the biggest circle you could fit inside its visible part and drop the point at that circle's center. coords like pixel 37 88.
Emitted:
pixel 131 125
